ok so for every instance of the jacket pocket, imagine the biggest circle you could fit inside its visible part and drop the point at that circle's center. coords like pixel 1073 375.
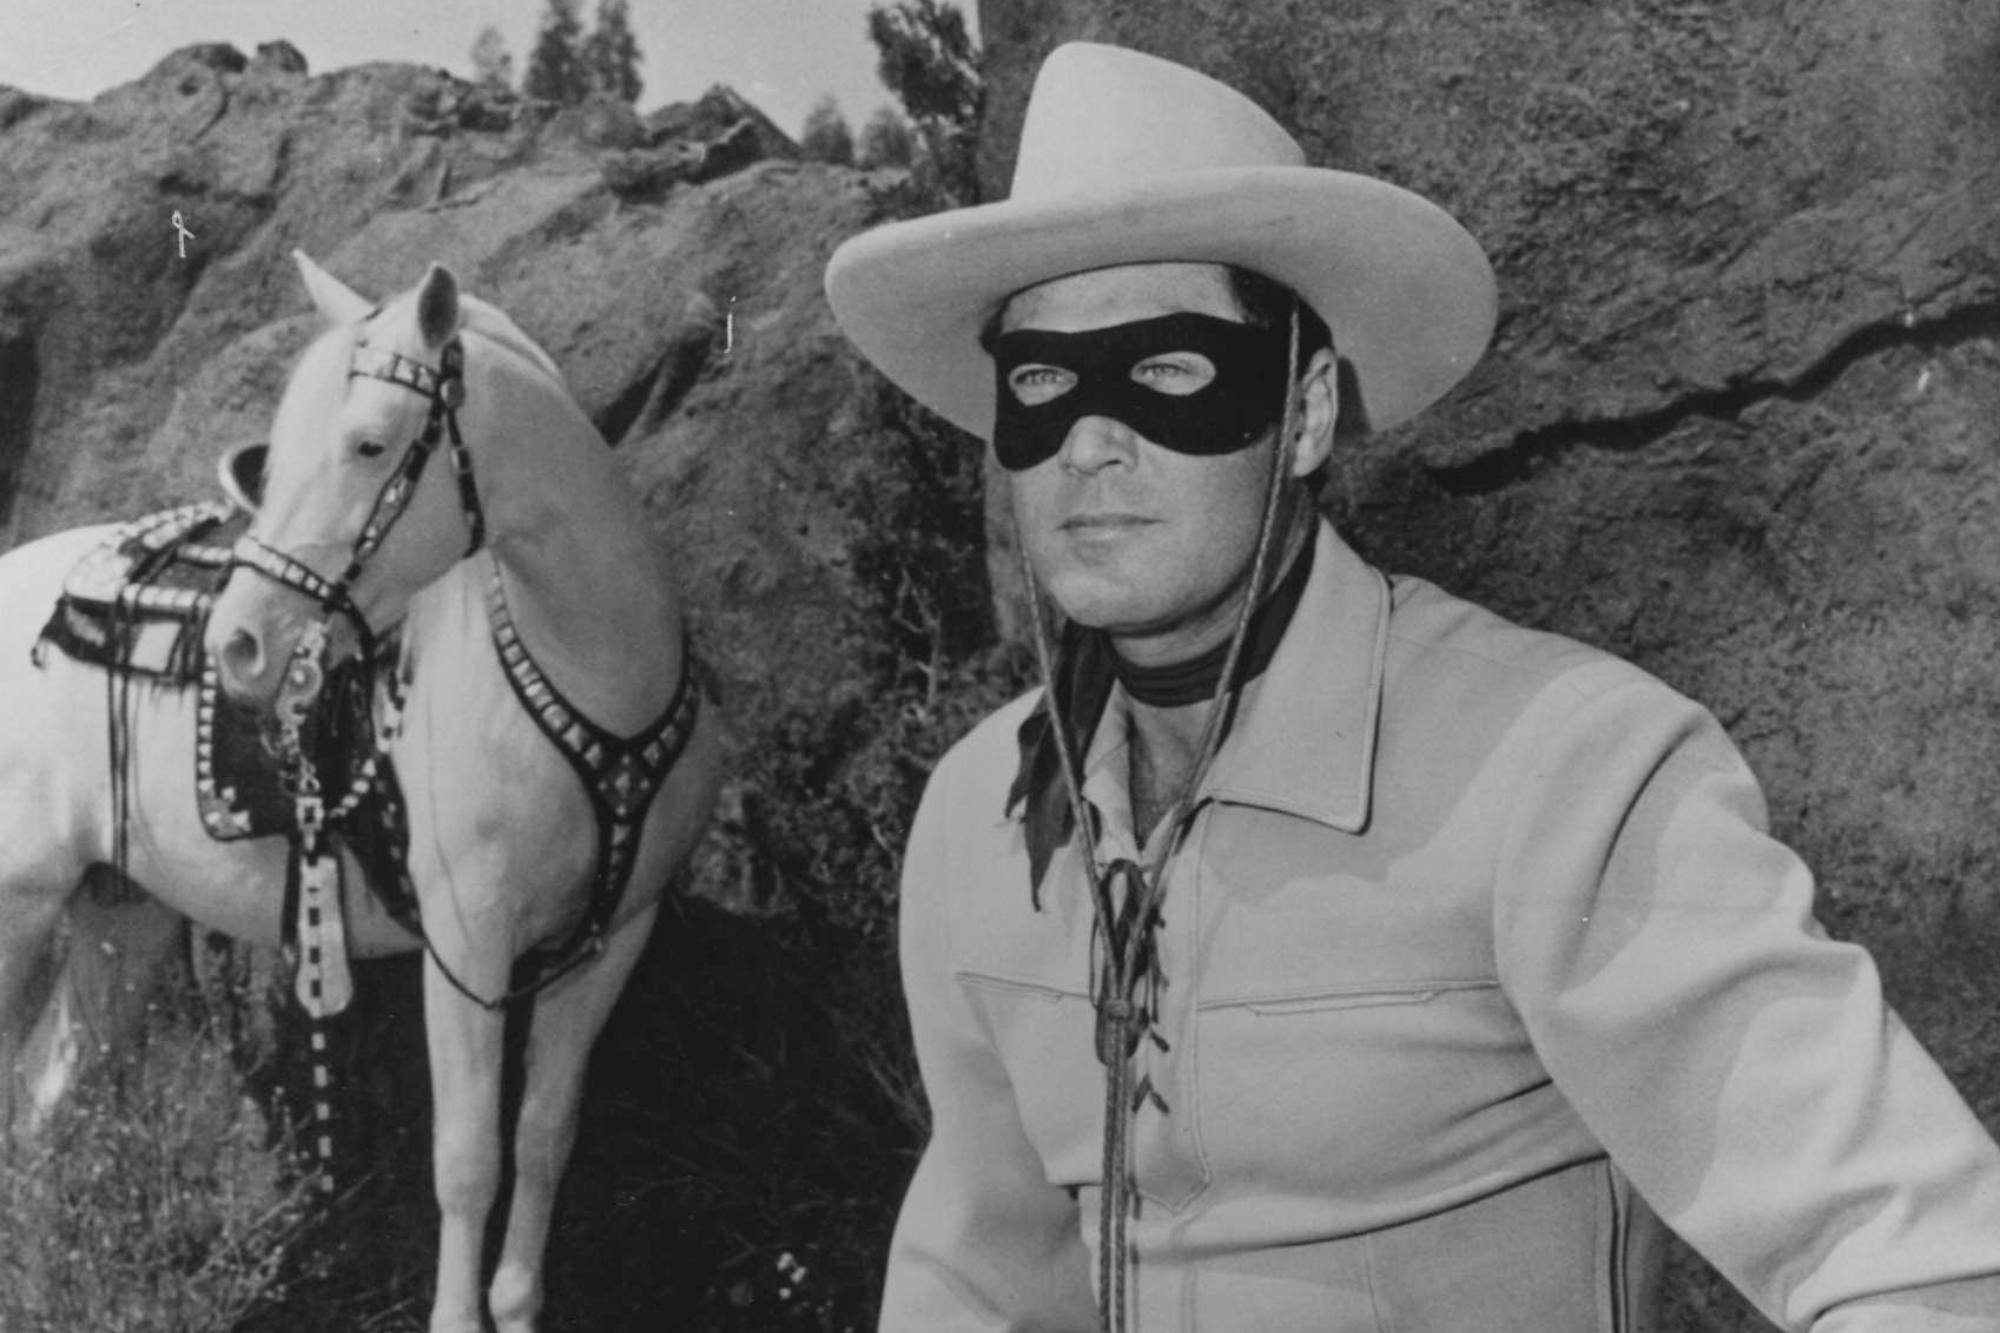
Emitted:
pixel 1319 999
pixel 1352 1091
pixel 1044 1035
pixel 1038 990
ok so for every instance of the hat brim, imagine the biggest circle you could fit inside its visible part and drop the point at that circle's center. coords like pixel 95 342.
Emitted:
pixel 1408 293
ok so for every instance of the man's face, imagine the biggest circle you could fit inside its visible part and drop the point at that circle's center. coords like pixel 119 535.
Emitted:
pixel 1150 544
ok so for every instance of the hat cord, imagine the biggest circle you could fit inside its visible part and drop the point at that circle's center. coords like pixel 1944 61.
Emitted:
pixel 1126 976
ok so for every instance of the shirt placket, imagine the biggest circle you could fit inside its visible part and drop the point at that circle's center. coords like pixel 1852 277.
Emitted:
pixel 1167 1159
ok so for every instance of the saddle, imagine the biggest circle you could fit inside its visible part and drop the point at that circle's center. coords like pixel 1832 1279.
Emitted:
pixel 139 602
pixel 137 607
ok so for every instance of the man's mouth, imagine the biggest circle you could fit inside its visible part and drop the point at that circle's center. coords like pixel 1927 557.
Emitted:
pixel 1104 522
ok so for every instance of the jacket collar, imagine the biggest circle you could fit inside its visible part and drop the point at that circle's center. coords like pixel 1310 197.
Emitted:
pixel 1304 738
pixel 1303 742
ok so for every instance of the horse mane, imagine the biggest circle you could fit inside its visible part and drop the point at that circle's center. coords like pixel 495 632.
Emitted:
pixel 492 322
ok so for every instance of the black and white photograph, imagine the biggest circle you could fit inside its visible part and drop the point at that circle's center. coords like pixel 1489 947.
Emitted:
pixel 1036 665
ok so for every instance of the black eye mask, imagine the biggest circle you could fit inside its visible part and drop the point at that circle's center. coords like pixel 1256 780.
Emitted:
pixel 1229 413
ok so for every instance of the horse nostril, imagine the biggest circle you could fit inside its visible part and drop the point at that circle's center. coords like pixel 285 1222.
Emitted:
pixel 243 657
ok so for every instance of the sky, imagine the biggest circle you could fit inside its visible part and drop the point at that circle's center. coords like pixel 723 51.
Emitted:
pixel 784 55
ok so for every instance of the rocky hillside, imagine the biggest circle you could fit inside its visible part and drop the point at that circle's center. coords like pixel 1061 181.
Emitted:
pixel 670 265
pixel 1741 421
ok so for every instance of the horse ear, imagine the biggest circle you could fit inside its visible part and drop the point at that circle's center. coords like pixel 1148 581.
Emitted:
pixel 437 306
pixel 337 301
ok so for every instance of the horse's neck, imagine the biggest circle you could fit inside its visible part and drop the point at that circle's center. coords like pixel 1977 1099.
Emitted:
pixel 605 633
pixel 585 581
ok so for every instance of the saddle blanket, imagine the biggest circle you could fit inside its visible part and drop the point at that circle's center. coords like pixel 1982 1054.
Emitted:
pixel 139 602
pixel 137 607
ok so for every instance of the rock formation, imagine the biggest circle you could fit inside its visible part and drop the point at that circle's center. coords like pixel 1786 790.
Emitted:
pixel 670 264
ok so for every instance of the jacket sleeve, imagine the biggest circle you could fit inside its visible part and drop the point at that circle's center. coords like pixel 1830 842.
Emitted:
pixel 984 1241
pixel 1738 1065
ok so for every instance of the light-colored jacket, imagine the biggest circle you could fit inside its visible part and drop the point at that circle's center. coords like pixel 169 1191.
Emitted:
pixel 1476 932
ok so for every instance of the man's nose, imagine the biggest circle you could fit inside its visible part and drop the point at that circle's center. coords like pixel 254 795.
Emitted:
pixel 1096 442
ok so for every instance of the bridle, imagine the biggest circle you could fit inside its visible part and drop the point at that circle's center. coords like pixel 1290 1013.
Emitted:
pixel 444 386
pixel 324 983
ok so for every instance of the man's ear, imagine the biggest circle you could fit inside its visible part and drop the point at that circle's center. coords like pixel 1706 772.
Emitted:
pixel 1319 394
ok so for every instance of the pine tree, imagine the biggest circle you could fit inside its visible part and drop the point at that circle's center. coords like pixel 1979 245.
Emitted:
pixel 555 67
pixel 492 63
pixel 611 53
pixel 927 58
pixel 825 136
pixel 886 140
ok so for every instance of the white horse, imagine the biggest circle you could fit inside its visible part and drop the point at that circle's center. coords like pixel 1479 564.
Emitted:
pixel 539 633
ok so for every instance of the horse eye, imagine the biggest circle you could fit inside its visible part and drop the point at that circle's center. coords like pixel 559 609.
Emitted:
pixel 370 448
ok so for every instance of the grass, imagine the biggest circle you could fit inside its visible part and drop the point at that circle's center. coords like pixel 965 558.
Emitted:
pixel 160 1201
pixel 750 1120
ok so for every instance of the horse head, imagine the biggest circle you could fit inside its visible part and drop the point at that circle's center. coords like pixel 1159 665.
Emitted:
pixel 356 516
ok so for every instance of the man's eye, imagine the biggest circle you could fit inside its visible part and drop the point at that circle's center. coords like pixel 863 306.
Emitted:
pixel 1034 385
pixel 1176 373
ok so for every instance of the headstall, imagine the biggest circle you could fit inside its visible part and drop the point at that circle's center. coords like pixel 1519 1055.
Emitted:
pixel 444 386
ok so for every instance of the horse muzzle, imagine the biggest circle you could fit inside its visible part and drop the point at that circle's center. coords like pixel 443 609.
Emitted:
pixel 275 662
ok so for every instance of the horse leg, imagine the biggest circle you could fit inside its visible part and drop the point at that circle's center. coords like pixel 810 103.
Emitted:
pixel 28 969
pixel 119 941
pixel 37 881
pixel 465 1042
pixel 564 1026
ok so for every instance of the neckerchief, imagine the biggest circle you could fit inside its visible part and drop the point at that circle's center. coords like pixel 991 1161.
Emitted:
pixel 1086 665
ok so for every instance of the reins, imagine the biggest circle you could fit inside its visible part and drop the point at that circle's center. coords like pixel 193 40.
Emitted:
pixel 1125 971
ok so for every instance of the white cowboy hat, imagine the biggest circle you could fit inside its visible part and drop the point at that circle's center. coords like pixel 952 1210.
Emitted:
pixel 1126 158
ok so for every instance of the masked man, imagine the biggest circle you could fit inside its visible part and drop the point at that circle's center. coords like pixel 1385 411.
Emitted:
pixel 1318 951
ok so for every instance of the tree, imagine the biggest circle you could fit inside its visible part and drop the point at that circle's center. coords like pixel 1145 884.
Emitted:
pixel 825 136
pixel 611 53
pixel 886 140
pixel 927 58
pixel 492 63
pixel 555 67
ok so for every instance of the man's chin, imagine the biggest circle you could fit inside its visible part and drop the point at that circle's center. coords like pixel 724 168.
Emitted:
pixel 1098 599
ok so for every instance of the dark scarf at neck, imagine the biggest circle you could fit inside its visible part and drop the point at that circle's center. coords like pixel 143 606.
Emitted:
pixel 1086 664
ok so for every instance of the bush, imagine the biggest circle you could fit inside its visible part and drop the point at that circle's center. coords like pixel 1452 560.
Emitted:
pixel 825 136
pixel 828 796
